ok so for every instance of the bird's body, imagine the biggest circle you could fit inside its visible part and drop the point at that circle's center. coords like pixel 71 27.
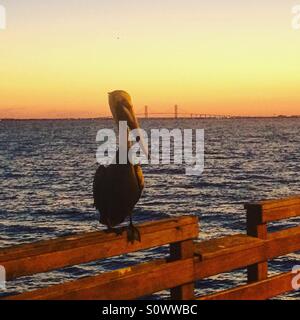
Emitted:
pixel 118 187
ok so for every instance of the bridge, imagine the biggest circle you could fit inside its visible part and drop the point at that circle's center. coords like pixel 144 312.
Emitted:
pixel 176 113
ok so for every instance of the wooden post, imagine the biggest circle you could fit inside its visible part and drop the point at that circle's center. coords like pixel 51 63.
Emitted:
pixel 179 251
pixel 256 228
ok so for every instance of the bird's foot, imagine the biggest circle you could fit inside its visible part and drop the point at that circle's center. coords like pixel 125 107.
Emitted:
pixel 133 234
pixel 116 231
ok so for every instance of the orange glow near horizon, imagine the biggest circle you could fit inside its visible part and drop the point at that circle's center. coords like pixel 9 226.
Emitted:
pixel 59 60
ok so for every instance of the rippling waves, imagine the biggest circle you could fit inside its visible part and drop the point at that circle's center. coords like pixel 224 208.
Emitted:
pixel 47 168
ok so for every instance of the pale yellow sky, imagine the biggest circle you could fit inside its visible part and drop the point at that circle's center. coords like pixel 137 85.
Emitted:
pixel 60 58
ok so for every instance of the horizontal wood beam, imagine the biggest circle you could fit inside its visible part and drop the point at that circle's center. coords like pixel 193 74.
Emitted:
pixel 277 203
pixel 281 213
pixel 234 252
pixel 211 257
pixel 272 210
pixel 228 259
pixel 129 283
pixel 261 290
pixel 225 246
pixel 53 254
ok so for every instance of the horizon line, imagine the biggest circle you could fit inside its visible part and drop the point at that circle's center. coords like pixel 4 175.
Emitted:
pixel 152 118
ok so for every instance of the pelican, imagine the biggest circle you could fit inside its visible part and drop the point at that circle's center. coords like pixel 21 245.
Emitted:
pixel 118 187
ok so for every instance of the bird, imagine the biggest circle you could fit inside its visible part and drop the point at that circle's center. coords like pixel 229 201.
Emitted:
pixel 117 188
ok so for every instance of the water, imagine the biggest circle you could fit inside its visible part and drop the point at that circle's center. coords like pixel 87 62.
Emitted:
pixel 47 168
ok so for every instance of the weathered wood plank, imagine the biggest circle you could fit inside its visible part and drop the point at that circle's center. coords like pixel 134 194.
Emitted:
pixel 261 290
pixel 53 254
pixel 284 233
pixel 272 210
pixel 276 203
pixel 226 254
pixel 212 257
pixel 77 239
pixel 283 242
pixel 129 283
pixel 281 213
pixel 228 257
pixel 225 246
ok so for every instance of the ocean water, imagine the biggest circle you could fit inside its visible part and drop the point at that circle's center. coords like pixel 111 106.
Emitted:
pixel 47 169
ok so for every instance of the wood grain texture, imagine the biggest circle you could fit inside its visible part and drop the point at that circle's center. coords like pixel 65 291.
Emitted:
pixel 261 290
pixel 128 283
pixel 272 210
pixel 66 251
pixel 233 252
pixel 189 261
pixel 212 257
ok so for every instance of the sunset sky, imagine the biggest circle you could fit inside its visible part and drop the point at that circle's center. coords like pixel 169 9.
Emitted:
pixel 59 58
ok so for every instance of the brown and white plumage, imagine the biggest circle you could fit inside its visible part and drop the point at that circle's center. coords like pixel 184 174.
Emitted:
pixel 118 187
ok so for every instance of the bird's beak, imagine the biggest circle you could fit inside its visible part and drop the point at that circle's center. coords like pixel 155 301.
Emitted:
pixel 133 124
pixel 132 121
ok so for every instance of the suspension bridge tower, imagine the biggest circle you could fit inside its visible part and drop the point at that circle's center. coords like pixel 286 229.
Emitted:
pixel 146 112
pixel 176 111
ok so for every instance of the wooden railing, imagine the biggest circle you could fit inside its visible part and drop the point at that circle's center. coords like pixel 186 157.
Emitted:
pixel 128 283
pixel 188 261
pixel 260 246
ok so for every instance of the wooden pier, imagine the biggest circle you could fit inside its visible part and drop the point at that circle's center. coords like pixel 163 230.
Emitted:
pixel 189 260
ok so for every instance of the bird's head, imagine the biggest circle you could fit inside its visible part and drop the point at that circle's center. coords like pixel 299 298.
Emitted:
pixel 122 109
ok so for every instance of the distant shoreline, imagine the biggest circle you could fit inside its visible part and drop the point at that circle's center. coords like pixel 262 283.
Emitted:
pixel 156 118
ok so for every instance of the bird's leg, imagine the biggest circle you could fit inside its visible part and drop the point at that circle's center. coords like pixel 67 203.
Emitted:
pixel 116 231
pixel 133 233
